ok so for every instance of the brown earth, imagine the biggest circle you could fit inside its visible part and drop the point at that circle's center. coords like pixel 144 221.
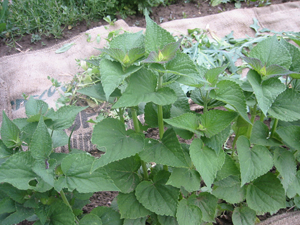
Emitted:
pixel 182 9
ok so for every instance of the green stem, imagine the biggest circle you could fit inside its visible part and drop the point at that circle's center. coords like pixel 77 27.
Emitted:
pixel 274 127
pixel 160 111
pixel 262 117
pixel 253 115
pixel 138 130
pixel 121 114
pixel 65 200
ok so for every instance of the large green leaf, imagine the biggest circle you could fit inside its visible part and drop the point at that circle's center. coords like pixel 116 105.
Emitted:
pixel 127 41
pixel 266 194
pixel 229 168
pixel 232 94
pixel 168 151
pixel 18 216
pixel 77 171
pixel 285 163
pixel 271 52
pixel 17 170
pixel 185 177
pixel 64 117
pixel 187 121
pixel 130 207
pixel 9 132
pixel 111 137
pixel 142 88
pixel 206 161
pixel 294 189
pixel 260 135
pixel 243 216
pixel 188 214
pixel 265 91
pixel 96 91
pixel 290 135
pixel 7 205
pixel 60 214
pixel 295 53
pixel 35 107
pixel 113 74
pixel 215 121
pixel 41 144
pixel 254 162
pixel 90 219
pixel 286 106
pixel 138 221
pixel 167 220
pixel 124 173
pixel 207 203
pixel 107 215
pixel 156 37
pixel 158 197
pixel 4 151
pixel 230 190
pixel 17 195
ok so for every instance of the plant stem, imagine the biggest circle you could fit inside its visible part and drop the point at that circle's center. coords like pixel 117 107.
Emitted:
pixel 253 115
pixel 274 128
pixel 138 130
pixel 65 200
pixel 160 111
pixel 120 114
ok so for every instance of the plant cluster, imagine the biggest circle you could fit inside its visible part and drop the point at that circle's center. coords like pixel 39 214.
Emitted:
pixel 163 181
pixel 42 17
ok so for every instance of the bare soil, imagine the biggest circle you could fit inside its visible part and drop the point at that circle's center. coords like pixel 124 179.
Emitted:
pixel 182 9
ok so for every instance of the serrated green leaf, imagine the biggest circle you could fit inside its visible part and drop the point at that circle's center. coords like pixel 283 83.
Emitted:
pixel 286 106
pixel 7 205
pixel 232 94
pixel 254 162
pixel 168 151
pixel 127 41
pixel 243 216
pixel 164 55
pixel 77 167
pixel 45 169
pixel 112 75
pixel 230 190
pixel 188 214
pixel 9 132
pixel 41 144
pixel 266 194
pixel 130 207
pixel 285 163
pixel 290 136
pixel 156 37
pixel 124 173
pixel 158 197
pixel 265 91
pixel 64 117
pixel 17 195
pixel 35 107
pixel 142 88
pixel 260 135
pixel 207 203
pixel 17 171
pixel 185 177
pixel 167 220
pixel 293 189
pixel 201 97
pixel 215 121
pixel 212 75
pixel 294 52
pixel 187 121
pixel 4 151
pixel 111 137
pixel 229 168
pixel 217 141
pixel 18 216
pixel 138 221
pixel 107 215
pixel 96 91
pixel 59 138
pixel 90 219
pixel 206 161
pixel 271 52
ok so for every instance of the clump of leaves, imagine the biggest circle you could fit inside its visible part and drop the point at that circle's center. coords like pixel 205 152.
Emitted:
pixel 164 181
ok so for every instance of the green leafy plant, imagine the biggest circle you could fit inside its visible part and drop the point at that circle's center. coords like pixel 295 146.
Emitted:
pixel 242 153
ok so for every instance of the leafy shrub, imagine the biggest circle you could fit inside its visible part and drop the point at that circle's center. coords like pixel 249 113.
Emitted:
pixel 163 181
